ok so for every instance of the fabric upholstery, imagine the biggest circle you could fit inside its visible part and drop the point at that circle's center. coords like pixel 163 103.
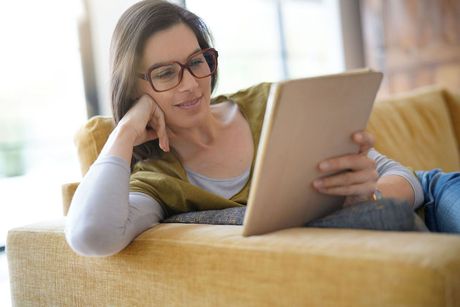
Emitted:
pixel 228 216
pixel 210 265
pixel 67 191
pixel 91 138
pixel 453 103
pixel 385 214
pixel 416 130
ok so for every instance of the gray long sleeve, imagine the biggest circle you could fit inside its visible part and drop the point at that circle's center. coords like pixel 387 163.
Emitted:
pixel 386 167
pixel 104 217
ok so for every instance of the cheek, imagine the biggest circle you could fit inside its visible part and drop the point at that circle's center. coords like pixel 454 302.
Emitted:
pixel 163 99
pixel 205 85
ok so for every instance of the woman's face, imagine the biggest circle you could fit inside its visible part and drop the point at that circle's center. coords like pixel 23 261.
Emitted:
pixel 187 103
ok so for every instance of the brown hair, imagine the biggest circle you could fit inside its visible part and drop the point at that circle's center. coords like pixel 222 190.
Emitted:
pixel 135 27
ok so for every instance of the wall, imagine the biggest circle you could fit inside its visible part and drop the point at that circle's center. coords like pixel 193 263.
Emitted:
pixel 415 43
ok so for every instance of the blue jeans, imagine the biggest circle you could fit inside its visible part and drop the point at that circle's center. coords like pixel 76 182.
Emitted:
pixel 442 200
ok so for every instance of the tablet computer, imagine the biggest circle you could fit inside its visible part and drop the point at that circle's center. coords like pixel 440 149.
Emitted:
pixel 306 121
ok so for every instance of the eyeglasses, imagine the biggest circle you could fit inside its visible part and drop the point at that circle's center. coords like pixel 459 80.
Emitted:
pixel 165 77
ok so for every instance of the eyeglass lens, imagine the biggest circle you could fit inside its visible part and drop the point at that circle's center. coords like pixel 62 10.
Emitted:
pixel 200 65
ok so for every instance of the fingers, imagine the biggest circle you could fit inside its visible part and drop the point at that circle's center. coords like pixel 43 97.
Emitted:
pixel 353 174
pixel 150 134
pixel 348 183
pixel 346 179
pixel 365 189
pixel 158 123
pixel 348 162
pixel 147 121
pixel 365 140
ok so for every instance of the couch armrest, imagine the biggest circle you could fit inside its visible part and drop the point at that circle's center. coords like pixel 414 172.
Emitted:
pixel 68 190
pixel 209 265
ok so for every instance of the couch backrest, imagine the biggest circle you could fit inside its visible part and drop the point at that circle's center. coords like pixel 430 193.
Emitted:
pixel 91 138
pixel 417 129
pixel 453 104
pixel 420 129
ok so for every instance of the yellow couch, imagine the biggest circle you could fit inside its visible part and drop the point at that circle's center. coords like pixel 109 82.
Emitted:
pixel 208 265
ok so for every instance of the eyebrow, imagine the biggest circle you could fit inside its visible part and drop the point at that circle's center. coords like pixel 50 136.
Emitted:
pixel 170 62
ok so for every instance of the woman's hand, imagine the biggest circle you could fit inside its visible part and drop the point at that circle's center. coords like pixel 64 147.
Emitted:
pixel 357 174
pixel 146 121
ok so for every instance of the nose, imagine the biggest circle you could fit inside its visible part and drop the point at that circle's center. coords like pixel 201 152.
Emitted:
pixel 188 81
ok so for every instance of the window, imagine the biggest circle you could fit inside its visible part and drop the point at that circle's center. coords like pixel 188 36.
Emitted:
pixel 271 40
pixel 43 105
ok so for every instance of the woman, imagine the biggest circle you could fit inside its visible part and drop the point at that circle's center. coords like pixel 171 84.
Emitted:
pixel 189 154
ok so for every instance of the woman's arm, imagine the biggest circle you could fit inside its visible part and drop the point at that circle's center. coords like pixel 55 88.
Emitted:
pixel 104 217
pixel 142 123
pixel 358 178
pixel 397 181
pixel 393 186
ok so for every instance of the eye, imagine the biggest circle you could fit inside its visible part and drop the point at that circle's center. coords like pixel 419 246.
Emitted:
pixel 163 73
pixel 196 62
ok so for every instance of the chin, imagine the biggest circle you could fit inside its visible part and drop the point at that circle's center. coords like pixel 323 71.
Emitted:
pixel 189 119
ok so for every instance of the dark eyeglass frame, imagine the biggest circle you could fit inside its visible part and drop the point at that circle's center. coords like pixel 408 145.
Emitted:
pixel 146 76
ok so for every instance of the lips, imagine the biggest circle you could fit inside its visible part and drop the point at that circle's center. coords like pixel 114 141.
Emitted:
pixel 189 103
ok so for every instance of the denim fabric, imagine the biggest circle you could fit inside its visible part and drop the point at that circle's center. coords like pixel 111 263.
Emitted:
pixel 442 200
pixel 385 214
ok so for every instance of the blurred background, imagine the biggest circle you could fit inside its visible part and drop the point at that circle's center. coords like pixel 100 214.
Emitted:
pixel 54 71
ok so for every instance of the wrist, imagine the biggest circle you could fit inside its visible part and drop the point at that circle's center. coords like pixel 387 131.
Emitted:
pixel 120 143
pixel 397 187
pixel 126 133
pixel 377 195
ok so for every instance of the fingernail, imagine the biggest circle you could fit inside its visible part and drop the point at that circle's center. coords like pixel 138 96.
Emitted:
pixel 324 166
pixel 317 183
pixel 359 137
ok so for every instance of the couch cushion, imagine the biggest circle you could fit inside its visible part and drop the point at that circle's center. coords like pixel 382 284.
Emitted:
pixel 386 214
pixel 208 265
pixel 416 130
pixel 91 138
pixel 453 103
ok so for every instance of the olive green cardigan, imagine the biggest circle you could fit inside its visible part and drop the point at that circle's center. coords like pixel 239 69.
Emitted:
pixel 166 181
